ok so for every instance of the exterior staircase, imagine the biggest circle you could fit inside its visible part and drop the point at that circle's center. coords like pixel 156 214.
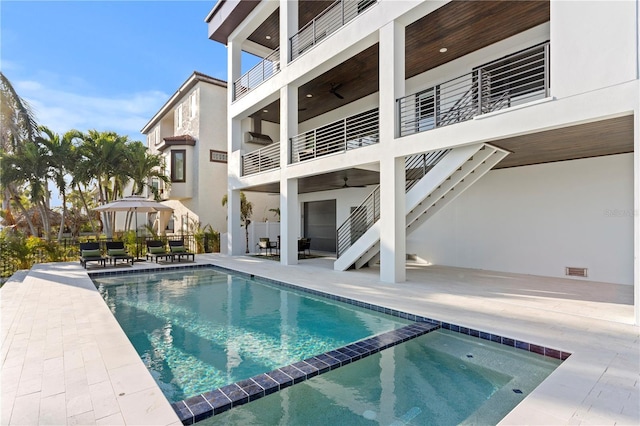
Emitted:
pixel 434 179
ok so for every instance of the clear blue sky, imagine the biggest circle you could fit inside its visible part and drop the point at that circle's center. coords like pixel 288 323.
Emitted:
pixel 104 65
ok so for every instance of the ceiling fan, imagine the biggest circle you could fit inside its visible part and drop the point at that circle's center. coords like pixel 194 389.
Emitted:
pixel 346 184
pixel 334 90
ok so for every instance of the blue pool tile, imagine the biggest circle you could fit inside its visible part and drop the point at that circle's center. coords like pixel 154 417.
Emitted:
pixel 308 369
pixel 507 341
pixel 283 379
pixel 522 345
pixel 455 328
pixel 485 336
pixel 537 349
pixel 218 400
pixel 552 353
pixel 496 338
pixel 474 333
pixel 294 373
pixel 200 408
pixel 564 355
pixel 329 360
pixel 340 356
pixel 446 326
pixel 267 383
pixel 321 366
pixel 464 330
pixel 235 394
pixel 184 414
pixel 252 389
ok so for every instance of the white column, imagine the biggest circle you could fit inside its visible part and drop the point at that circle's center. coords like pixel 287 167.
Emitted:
pixel 236 232
pixel 289 221
pixel 636 216
pixel 234 65
pixel 288 27
pixel 289 206
pixel 392 174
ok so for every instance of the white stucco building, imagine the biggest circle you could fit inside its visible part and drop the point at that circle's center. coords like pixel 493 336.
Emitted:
pixel 497 135
pixel 190 132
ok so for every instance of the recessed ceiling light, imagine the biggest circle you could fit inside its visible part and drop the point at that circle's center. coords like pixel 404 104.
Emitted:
pixel 265 110
pixel 444 49
pixel 268 37
pixel 309 95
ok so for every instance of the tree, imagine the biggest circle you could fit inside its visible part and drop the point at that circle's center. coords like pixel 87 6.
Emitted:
pixel 17 126
pixel 61 155
pixel 104 161
pixel 246 210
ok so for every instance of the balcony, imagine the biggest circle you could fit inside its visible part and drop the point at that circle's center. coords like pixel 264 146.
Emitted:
pixel 327 22
pixel 353 132
pixel 513 80
pixel 263 71
pixel 261 160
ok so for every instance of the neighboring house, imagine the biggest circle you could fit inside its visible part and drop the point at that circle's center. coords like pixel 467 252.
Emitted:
pixel 500 135
pixel 190 132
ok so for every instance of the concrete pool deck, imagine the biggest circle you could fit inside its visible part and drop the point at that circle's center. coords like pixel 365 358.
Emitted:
pixel 65 359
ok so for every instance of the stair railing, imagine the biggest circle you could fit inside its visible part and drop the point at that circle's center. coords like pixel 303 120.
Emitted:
pixel 358 222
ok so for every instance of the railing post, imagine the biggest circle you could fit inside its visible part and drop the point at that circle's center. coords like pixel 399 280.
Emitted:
pixel 480 91
pixel 313 25
pixel 342 7
pixel 315 142
pixel 344 129
pixel 547 84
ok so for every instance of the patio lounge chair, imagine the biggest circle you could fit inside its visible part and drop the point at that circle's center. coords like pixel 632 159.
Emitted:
pixel 156 250
pixel 116 251
pixel 179 251
pixel 90 252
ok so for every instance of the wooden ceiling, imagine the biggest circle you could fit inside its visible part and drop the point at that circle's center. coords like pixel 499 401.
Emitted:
pixel 460 26
pixel 598 138
pixel 595 139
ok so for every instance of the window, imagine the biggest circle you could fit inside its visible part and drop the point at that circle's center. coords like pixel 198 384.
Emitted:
pixel 178 159
pixel 217 156
pixel 193 100
pixel 179 116
pixel 156 136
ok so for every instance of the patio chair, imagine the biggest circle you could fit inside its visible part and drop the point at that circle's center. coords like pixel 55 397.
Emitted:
pixel 178 250
pixel 90 252
pixel 157 250
pixel 116 251
pixel 267 245
pixel 304 246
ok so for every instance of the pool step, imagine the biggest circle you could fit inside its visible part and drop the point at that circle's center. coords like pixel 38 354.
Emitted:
pixel 219 400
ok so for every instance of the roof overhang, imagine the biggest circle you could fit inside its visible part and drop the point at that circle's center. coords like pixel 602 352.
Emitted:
pixel 181 140
pixel 225 17
pixel 193 79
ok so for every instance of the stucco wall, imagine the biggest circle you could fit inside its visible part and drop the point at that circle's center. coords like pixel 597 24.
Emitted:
pixel 538 220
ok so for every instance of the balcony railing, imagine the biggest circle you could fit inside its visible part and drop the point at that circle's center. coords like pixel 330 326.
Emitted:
pixel 353 132
pixel 263 159
pixel 327 22
pixel 264 70
pixel 513 80
pixel 361 219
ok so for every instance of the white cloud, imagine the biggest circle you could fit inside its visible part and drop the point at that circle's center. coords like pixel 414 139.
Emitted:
pixel 63 109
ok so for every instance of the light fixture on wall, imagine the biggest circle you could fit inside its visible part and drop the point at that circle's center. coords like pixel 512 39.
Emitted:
pixel 265 110
pixel 309 95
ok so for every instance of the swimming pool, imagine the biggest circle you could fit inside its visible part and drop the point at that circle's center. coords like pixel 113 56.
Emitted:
pixel 201 329
pixel 197 330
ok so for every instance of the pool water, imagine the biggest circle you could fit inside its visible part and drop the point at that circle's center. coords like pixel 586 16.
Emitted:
pixel 197 330
pixel 442 378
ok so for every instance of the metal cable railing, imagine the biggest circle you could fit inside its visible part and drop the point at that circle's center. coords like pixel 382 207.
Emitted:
pixel 509 81
pixel 360 220
pixel 327 22
pixel 264 70
pixel 353 132
pixel 260 160
pixel 417 166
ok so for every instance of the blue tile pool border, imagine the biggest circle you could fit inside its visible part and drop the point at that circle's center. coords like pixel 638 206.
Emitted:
pixel 205 405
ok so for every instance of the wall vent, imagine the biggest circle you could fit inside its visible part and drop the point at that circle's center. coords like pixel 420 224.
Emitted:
pixel 572 271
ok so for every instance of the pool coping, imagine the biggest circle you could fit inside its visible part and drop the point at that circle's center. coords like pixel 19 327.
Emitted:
pixel 199 407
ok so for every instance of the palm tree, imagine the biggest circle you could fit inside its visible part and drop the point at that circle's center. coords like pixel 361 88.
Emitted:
pixel 30 167
pixel 61 158
pixel 105 162
pixel 246 210
pixel 17 126
pixel 144 166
